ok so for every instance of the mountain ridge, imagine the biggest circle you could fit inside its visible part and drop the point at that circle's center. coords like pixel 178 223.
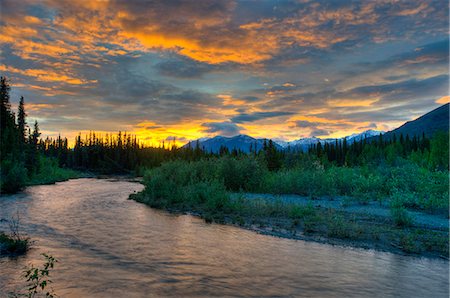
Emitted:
pixel 429 123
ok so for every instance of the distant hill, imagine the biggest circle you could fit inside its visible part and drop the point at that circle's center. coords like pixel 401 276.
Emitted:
pixel 304 144
pixel 239 142
pixel 436 120
pixel 430 123
pixel 243 142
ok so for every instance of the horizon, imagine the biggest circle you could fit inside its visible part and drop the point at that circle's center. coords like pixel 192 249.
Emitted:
pixel 188 70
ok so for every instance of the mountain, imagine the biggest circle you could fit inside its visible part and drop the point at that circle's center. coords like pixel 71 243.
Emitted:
pixel 356 137
pixel 243 142
pixel 430 123
pixel 305 143
pixel 436 120
pixel 239 142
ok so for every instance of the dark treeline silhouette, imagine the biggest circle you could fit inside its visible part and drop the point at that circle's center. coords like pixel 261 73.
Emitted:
pixel 113 153
pixel 27 159
pixel 379 150
pixel 19 152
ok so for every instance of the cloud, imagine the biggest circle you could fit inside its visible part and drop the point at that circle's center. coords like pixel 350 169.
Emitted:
pixel 372 125
pixel 111 65
pixel 443 100
pixel 319 133
pixel 244 117
pixel 184 68
pixel 305 124
pixel 175 138
pixel 222 128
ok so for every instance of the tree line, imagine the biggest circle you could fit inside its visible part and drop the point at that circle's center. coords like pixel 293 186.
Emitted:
pixel 19 149
pixel 24 155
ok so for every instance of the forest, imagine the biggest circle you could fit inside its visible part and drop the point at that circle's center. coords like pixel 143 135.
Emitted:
pixel 403 173
pixel 28 159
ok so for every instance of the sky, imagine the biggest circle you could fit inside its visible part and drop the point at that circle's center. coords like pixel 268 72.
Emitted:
pixel 180 70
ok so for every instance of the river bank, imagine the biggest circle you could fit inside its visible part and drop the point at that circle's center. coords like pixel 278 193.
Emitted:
pixel 312 222
pixel 108 246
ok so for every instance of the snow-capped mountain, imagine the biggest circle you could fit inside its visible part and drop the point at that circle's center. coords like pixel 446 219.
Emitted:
pixel 240 142
pixel 245 143
pixel 363 135
pixel 305 143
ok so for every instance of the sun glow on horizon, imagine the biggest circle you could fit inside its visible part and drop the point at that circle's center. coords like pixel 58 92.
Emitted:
pixel 174 73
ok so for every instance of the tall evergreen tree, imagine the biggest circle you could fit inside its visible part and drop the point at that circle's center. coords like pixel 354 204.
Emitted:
pixel 5 106
pixel 21 122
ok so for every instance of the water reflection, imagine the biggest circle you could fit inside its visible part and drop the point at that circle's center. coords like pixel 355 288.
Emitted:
pixel 109 246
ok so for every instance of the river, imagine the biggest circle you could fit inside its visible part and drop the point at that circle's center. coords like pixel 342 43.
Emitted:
pixel 108 246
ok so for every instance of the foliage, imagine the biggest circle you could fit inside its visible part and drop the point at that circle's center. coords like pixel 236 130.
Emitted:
pixel 13 176
pixel 22 153
pixel 188 187
pixel 38 279
pixel 50 172
pixel 400 215
pixel 14 243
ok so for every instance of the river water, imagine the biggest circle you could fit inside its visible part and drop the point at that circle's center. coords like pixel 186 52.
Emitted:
pixel 108 246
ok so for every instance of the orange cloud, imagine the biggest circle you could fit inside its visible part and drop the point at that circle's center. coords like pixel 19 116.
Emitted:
pixel 413 11
pixel 443 100
pixel 351 102
pixel 45 75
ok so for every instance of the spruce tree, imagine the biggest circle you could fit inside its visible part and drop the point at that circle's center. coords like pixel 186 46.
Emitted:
pixel 5 106
pixel 21 122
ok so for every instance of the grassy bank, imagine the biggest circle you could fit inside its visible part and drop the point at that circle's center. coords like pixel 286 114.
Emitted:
pixel 15 177
pixel 406 184
pixel 203 188
pixel 50 172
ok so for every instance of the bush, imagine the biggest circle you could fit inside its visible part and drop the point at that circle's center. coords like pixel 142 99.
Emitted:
pixel 400 215
pixel 50 172
pixel 13 176
pixel 182 185
pixel 301 212
pixel 243 173
pixel 11 245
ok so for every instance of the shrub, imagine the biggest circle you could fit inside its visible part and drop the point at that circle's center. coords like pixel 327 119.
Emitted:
pixel 400 215
pixel 300 212
pixel 13 243
pixel 50 172
pixel 9 245
pixel 13 176
pixel 38 280
pixel 183 185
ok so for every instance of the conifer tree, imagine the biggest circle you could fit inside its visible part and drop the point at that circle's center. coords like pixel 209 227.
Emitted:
pixel 21 122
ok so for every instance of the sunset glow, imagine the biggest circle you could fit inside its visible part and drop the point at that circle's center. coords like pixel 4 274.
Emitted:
pixel 174 71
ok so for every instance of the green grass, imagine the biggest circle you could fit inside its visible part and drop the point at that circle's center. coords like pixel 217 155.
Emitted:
pixel 197 188
pixel 418 188
pixel 203 188
pixel 16 177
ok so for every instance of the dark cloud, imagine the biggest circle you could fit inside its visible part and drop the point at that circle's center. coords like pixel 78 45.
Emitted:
pixel 306 124
pixel 150 127
pixel 370 126
pixel 251 98
pixel 184 68
pixel 222 128
pixel 402 91
pixel 176 138
pixel 319 132
pixel 97 68
pixel 258 116
pixel 427 55
pixel 282 88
